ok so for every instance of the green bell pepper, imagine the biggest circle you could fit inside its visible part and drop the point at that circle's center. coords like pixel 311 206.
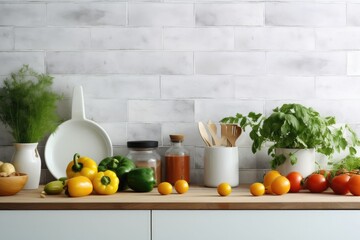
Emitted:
pixel 120 165
pixel 141 179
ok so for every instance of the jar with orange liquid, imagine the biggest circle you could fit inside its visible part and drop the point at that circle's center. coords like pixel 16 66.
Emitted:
pixel 177 161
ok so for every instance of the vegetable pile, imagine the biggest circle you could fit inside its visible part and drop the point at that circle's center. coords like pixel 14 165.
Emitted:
pixel 340 182
pixel 83 176
pixel 7 169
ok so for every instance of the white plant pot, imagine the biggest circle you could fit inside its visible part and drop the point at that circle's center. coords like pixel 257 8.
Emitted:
pixel 305 161
pixel 26 159
pixel 221 164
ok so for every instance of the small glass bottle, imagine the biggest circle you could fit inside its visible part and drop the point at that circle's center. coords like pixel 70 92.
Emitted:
pixel 177 161
pixel 144 154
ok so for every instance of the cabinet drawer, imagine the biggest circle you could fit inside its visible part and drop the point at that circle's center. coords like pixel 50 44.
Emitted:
pixel 255 224
pixel 60 225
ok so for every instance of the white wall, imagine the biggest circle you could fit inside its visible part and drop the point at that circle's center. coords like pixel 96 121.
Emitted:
pixel 151 68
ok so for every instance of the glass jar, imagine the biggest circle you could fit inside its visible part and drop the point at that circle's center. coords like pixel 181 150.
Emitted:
pixel 144 154
pixel 177 160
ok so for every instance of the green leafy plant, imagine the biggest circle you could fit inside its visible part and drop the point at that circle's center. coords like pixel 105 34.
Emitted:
pixel 349 164
pixel 28 106
pixel 298 127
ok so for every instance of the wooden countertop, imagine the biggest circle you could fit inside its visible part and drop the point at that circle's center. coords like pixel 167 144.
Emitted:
pixel 197 198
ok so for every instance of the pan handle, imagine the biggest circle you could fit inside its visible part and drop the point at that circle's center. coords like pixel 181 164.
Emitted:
pixel 78 109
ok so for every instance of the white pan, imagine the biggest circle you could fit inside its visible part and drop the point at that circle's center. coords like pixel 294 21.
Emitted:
pixel 77 135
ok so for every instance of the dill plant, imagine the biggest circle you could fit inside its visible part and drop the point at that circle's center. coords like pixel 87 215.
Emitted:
pixel 28 105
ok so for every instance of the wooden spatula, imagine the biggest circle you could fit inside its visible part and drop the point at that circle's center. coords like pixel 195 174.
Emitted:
pixel 204 135
pixel 213 132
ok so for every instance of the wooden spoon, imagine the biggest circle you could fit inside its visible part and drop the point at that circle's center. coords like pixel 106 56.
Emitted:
pixel 213 132
pixel 204 135
pixel 232 133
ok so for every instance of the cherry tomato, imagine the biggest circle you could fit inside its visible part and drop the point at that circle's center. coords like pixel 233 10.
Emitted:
pixel 181 186
pixel 295 179
pixel 354 185
pixel 165 188
pixel 326 174
pixel 224 189
pixel 280 185
pixel 257 189
pixel 339 184
pixel 269 177
pixel 316 183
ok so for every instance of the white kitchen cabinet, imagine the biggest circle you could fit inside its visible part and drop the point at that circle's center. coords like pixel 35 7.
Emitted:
pixel 255 224
pixel 78 224
pixel 179 224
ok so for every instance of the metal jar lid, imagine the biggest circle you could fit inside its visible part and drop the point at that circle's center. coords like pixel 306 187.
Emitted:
pixel 142 144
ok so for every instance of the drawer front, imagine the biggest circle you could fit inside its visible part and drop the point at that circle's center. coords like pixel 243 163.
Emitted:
pixel 61 225
pixel 254 224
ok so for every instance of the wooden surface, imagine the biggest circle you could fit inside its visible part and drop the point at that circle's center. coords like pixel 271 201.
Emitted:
pixel 196 198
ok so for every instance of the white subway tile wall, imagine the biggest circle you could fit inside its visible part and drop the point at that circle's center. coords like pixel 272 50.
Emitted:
pixel 150 68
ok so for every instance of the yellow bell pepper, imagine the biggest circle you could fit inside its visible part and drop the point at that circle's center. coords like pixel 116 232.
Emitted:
pixel 79 186
pixel 81 166
pixel 106 182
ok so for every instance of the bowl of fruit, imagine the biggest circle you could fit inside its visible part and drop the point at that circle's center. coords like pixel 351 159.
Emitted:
pixel 11 182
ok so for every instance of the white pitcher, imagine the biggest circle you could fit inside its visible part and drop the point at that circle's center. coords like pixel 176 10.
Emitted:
pixel 26 159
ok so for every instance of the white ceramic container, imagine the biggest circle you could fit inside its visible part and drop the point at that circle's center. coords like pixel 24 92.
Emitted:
pixel 305 161
pixel 221 164
pixel 26 159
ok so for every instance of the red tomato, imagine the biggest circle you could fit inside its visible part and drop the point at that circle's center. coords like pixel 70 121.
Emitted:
pixel 316 183
pixel 339 184
pixel 326 174
pixel 295 179
pixel 354 185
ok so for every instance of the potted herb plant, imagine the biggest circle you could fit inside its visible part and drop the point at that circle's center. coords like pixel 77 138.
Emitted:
pixel 28 110
pixel 295 133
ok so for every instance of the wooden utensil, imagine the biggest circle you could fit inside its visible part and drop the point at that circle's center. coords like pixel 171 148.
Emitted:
pixel 213 132
pixel 224 139
pixel 232 133
pixel 204 135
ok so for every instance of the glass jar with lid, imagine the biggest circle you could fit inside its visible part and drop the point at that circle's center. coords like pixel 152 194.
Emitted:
pixel 144 154
pixel 177 160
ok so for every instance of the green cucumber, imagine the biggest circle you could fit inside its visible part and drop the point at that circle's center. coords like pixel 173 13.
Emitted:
pixel 54 187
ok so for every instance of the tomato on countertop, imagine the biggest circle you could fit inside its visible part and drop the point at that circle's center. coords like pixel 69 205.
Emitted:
pixel 354 185
pixel 316 183
pixel 295 179
pixel 339 184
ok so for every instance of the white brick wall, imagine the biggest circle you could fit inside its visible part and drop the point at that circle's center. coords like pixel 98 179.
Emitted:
pixel 228 14
pixel 86 14
pixel 310 14
pixel 150 68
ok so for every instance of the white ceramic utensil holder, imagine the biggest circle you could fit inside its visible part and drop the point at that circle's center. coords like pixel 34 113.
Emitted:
pixel 221 164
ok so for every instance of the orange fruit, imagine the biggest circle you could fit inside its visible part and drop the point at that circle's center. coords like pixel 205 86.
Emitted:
pixel 165 188
pixel 269 177
pixel 280 185
pixel 257 189
pixel 181 186
pixel 224 189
